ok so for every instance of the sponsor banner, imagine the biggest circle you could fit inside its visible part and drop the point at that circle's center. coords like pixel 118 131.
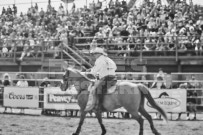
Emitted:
pixel 21 97
pixel 56 99
pixel 171 100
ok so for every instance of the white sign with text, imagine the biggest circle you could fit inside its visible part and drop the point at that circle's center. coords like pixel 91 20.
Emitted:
pixel 56 99
pixel 21 97
pixel 171 100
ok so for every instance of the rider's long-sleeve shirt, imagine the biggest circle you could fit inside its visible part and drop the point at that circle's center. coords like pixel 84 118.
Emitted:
pixel 104 66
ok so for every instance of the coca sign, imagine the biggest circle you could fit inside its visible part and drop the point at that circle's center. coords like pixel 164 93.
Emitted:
pixel 21 97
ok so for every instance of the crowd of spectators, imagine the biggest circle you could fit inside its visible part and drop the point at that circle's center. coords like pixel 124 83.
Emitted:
pixel 151 27
pixel 25 80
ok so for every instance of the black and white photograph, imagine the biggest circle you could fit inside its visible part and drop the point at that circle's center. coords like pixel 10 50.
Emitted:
pixel 101 67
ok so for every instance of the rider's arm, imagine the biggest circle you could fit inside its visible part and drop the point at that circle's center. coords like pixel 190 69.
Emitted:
pixel 99 64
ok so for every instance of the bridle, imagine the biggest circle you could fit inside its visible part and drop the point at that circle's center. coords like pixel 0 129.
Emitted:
pixel 68 81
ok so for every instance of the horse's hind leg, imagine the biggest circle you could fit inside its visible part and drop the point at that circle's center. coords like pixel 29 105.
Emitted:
pixel 140 120
pixel 149 118
pixel 82 118
pixel 99 117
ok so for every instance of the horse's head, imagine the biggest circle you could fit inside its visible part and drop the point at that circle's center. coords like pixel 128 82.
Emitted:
pixel 79 79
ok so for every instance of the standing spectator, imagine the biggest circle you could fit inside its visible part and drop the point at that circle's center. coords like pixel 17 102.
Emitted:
pixel 42 13
pixel 6 80
pixel 193 83
pixel 22 82
pixel 3 11
pixel 36 7
pixel 144 79
pixel 14 9
pixel 160 80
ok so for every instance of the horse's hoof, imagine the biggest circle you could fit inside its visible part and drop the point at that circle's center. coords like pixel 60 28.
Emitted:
pixel 141 133
pixel 157 133
pixel 104 132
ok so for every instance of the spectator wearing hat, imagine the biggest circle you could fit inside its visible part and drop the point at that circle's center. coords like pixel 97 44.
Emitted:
pixel 160 81
pixel 45 82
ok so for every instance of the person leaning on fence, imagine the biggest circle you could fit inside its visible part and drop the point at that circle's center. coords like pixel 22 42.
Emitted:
pixel 22 82
pixel 160 80
pixel 193 83
pixel 6 80
pixel 105 68
pixel 45 82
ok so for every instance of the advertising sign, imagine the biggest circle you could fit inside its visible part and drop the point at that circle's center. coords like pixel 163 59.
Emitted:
pixel 171 100
pixel 21 97
pixel 56 99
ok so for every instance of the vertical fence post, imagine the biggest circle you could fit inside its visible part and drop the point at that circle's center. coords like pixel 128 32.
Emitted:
pixel 142 44
pixel 43 49
pixel 15 49
pixel 41 99
pixel 1 96
pixel 176 46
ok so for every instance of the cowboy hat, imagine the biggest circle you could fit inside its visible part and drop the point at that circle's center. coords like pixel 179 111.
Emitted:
pixel 99 50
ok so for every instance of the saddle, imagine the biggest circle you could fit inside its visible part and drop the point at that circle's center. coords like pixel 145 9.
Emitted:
pixel 92 99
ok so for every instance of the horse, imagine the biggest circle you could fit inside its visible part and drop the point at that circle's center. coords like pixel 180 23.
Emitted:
pixel 127 95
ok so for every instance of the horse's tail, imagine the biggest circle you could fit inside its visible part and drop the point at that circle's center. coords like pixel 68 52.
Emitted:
pixel 145 91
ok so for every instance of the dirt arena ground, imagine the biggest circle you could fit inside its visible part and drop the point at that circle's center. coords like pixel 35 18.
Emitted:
pixel 47 125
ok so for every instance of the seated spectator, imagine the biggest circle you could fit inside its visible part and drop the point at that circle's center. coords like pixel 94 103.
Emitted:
pixel 200 22
pixel 12 50
pixel 100 36
pixel 150 44
pixel 160 45
pixel 22 82
pixel 198 45
pixel 4 51
pixel 182 47
pixel 170 38
pixel 26 51
pixel 93 45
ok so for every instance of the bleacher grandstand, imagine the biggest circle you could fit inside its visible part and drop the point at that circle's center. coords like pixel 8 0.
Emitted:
pixel 146 37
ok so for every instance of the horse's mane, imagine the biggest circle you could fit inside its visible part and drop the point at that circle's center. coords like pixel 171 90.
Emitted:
pixel 79 74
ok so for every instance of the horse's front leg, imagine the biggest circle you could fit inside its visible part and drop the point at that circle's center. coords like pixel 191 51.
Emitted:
pixel 82 118
pixel 99 117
